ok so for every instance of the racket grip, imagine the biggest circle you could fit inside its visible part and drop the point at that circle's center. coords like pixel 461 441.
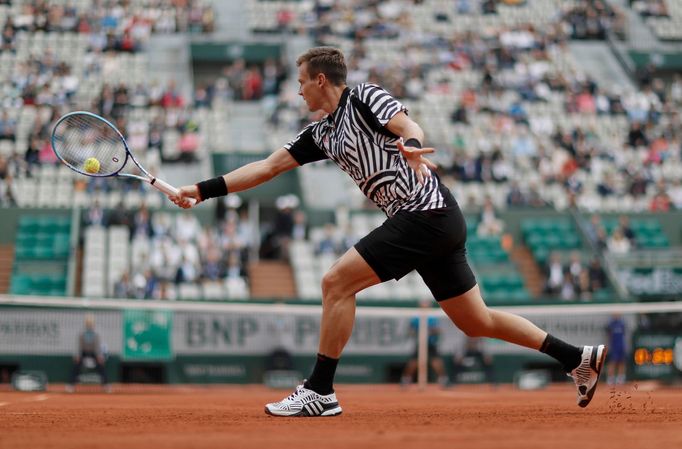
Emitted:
pixel 168 189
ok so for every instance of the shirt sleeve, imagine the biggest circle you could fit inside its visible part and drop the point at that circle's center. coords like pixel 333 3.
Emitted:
pixel 304 149
pixel 381 103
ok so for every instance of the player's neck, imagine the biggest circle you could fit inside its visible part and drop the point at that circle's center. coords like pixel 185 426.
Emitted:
pixel 332 98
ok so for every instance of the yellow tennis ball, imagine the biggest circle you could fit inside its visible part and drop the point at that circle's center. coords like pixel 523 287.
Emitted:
pixel 92 165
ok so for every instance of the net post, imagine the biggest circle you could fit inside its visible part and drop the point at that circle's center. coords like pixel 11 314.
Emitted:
pixel 422 351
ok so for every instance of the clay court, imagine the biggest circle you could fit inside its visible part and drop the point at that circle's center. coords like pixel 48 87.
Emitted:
pixel 632 416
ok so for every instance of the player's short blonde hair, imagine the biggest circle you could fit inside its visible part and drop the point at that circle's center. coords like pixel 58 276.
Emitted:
pixel 326 60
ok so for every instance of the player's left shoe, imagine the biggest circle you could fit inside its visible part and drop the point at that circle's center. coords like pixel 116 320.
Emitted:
pixel 586 375
pixel 305 402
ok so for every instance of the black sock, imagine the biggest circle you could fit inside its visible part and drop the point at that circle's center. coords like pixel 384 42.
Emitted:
pixel 568 355
pixel 322 378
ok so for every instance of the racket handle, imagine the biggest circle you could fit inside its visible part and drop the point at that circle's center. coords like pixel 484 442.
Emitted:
pixel 168 189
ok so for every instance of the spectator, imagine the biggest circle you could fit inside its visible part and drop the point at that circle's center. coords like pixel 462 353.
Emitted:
pixel 555 274
pixel 90 351
pixel 300 229
pixel 624 226
pixel 660 202
pixel 472 354
pixel 616 332
pixel 617 243
pixel 515 197
pixel 489 224
pixel 567 291
pixel 122 287
pixel 328 243
pixel 433 339
pixel 8 126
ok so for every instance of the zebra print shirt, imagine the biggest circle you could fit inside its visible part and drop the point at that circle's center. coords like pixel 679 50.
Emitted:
pixel 355 138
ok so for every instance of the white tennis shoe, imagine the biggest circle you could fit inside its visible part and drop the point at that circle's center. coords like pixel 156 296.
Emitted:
pixel 586 375
pixel 305 402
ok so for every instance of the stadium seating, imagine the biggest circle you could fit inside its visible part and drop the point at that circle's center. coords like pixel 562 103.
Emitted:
pixel 42 250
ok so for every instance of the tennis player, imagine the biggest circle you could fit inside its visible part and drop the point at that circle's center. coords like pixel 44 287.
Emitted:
pixel 369 135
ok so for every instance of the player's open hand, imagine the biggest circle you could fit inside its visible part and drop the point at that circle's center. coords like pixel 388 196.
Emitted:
pixel 186 193
pixel 416 160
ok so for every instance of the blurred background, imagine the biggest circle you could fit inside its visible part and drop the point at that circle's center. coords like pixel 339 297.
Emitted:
pixel 558 129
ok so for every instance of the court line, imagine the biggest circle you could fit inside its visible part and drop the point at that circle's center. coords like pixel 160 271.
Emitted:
pixel 39 398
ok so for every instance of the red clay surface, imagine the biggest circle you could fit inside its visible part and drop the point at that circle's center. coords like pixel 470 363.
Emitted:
pixel 384 416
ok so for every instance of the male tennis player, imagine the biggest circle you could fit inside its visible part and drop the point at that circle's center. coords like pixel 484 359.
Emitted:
pixel 369 135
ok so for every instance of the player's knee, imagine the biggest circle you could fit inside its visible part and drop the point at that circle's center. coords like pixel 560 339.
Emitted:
pixel 331 285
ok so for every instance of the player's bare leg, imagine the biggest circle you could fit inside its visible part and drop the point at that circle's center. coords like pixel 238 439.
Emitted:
pixel 349 275
pixel 316 396
pixel 474 318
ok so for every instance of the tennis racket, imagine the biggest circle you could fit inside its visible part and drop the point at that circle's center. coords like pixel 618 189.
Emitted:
pixel 81 136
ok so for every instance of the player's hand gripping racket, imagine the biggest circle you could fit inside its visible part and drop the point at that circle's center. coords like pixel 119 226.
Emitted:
pixel 92 146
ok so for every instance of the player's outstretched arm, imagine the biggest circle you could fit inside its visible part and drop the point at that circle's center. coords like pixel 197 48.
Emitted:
pixel 243 178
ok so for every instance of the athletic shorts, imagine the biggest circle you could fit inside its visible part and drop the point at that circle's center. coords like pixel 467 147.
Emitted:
pixel 431 242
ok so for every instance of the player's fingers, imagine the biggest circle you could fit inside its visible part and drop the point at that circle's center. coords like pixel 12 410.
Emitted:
pixel 432 165
pixel 425 170
pixel 426 150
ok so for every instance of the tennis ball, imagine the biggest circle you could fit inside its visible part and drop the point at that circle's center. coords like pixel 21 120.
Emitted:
pixel 92 165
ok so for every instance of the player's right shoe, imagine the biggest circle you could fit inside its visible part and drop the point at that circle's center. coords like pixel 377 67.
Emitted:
pixel 586 375
pixel 305 402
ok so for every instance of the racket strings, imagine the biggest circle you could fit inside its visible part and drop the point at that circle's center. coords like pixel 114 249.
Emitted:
pixel 80 137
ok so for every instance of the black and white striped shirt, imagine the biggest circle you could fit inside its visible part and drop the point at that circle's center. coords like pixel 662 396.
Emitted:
pixel 355 138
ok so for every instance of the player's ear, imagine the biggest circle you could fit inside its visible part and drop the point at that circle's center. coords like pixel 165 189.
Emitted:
pixel 321 79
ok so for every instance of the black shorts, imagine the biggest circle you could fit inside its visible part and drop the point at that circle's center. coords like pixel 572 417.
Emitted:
pixel 431 242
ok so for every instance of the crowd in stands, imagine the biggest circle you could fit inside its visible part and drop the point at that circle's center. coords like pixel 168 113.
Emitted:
pixel 650 8
pixel 118 25
pixel 593 19
pixel 502 123
pixel 573 279
pixel 171 250
pixel 240 81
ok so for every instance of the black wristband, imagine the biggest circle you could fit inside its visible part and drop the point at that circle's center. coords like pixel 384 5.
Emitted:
pixel 412 142
pixel 212 188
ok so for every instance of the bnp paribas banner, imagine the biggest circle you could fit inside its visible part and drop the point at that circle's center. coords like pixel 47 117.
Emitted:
pixel 160 335
pixel 242 334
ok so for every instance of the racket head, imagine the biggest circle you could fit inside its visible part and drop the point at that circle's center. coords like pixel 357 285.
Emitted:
pixel 80 135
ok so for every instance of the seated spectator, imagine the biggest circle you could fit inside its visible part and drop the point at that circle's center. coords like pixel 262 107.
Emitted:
pixel 142 224
pixel 660 202
pixel 489 224
pixel 555 274
pixel 597 275
pixel 567 290
pixel 213 267
pixel 624 226
pixel 583 286
pixel 617 243
pixel 94 216
pixel 8 126
pixel 122 287
pixel 120 216
pixel 515 197
pixel 575 265
pixel 189 144
pixel 300 229
pixel 328 244
pixel 187 271
pixel 234 268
